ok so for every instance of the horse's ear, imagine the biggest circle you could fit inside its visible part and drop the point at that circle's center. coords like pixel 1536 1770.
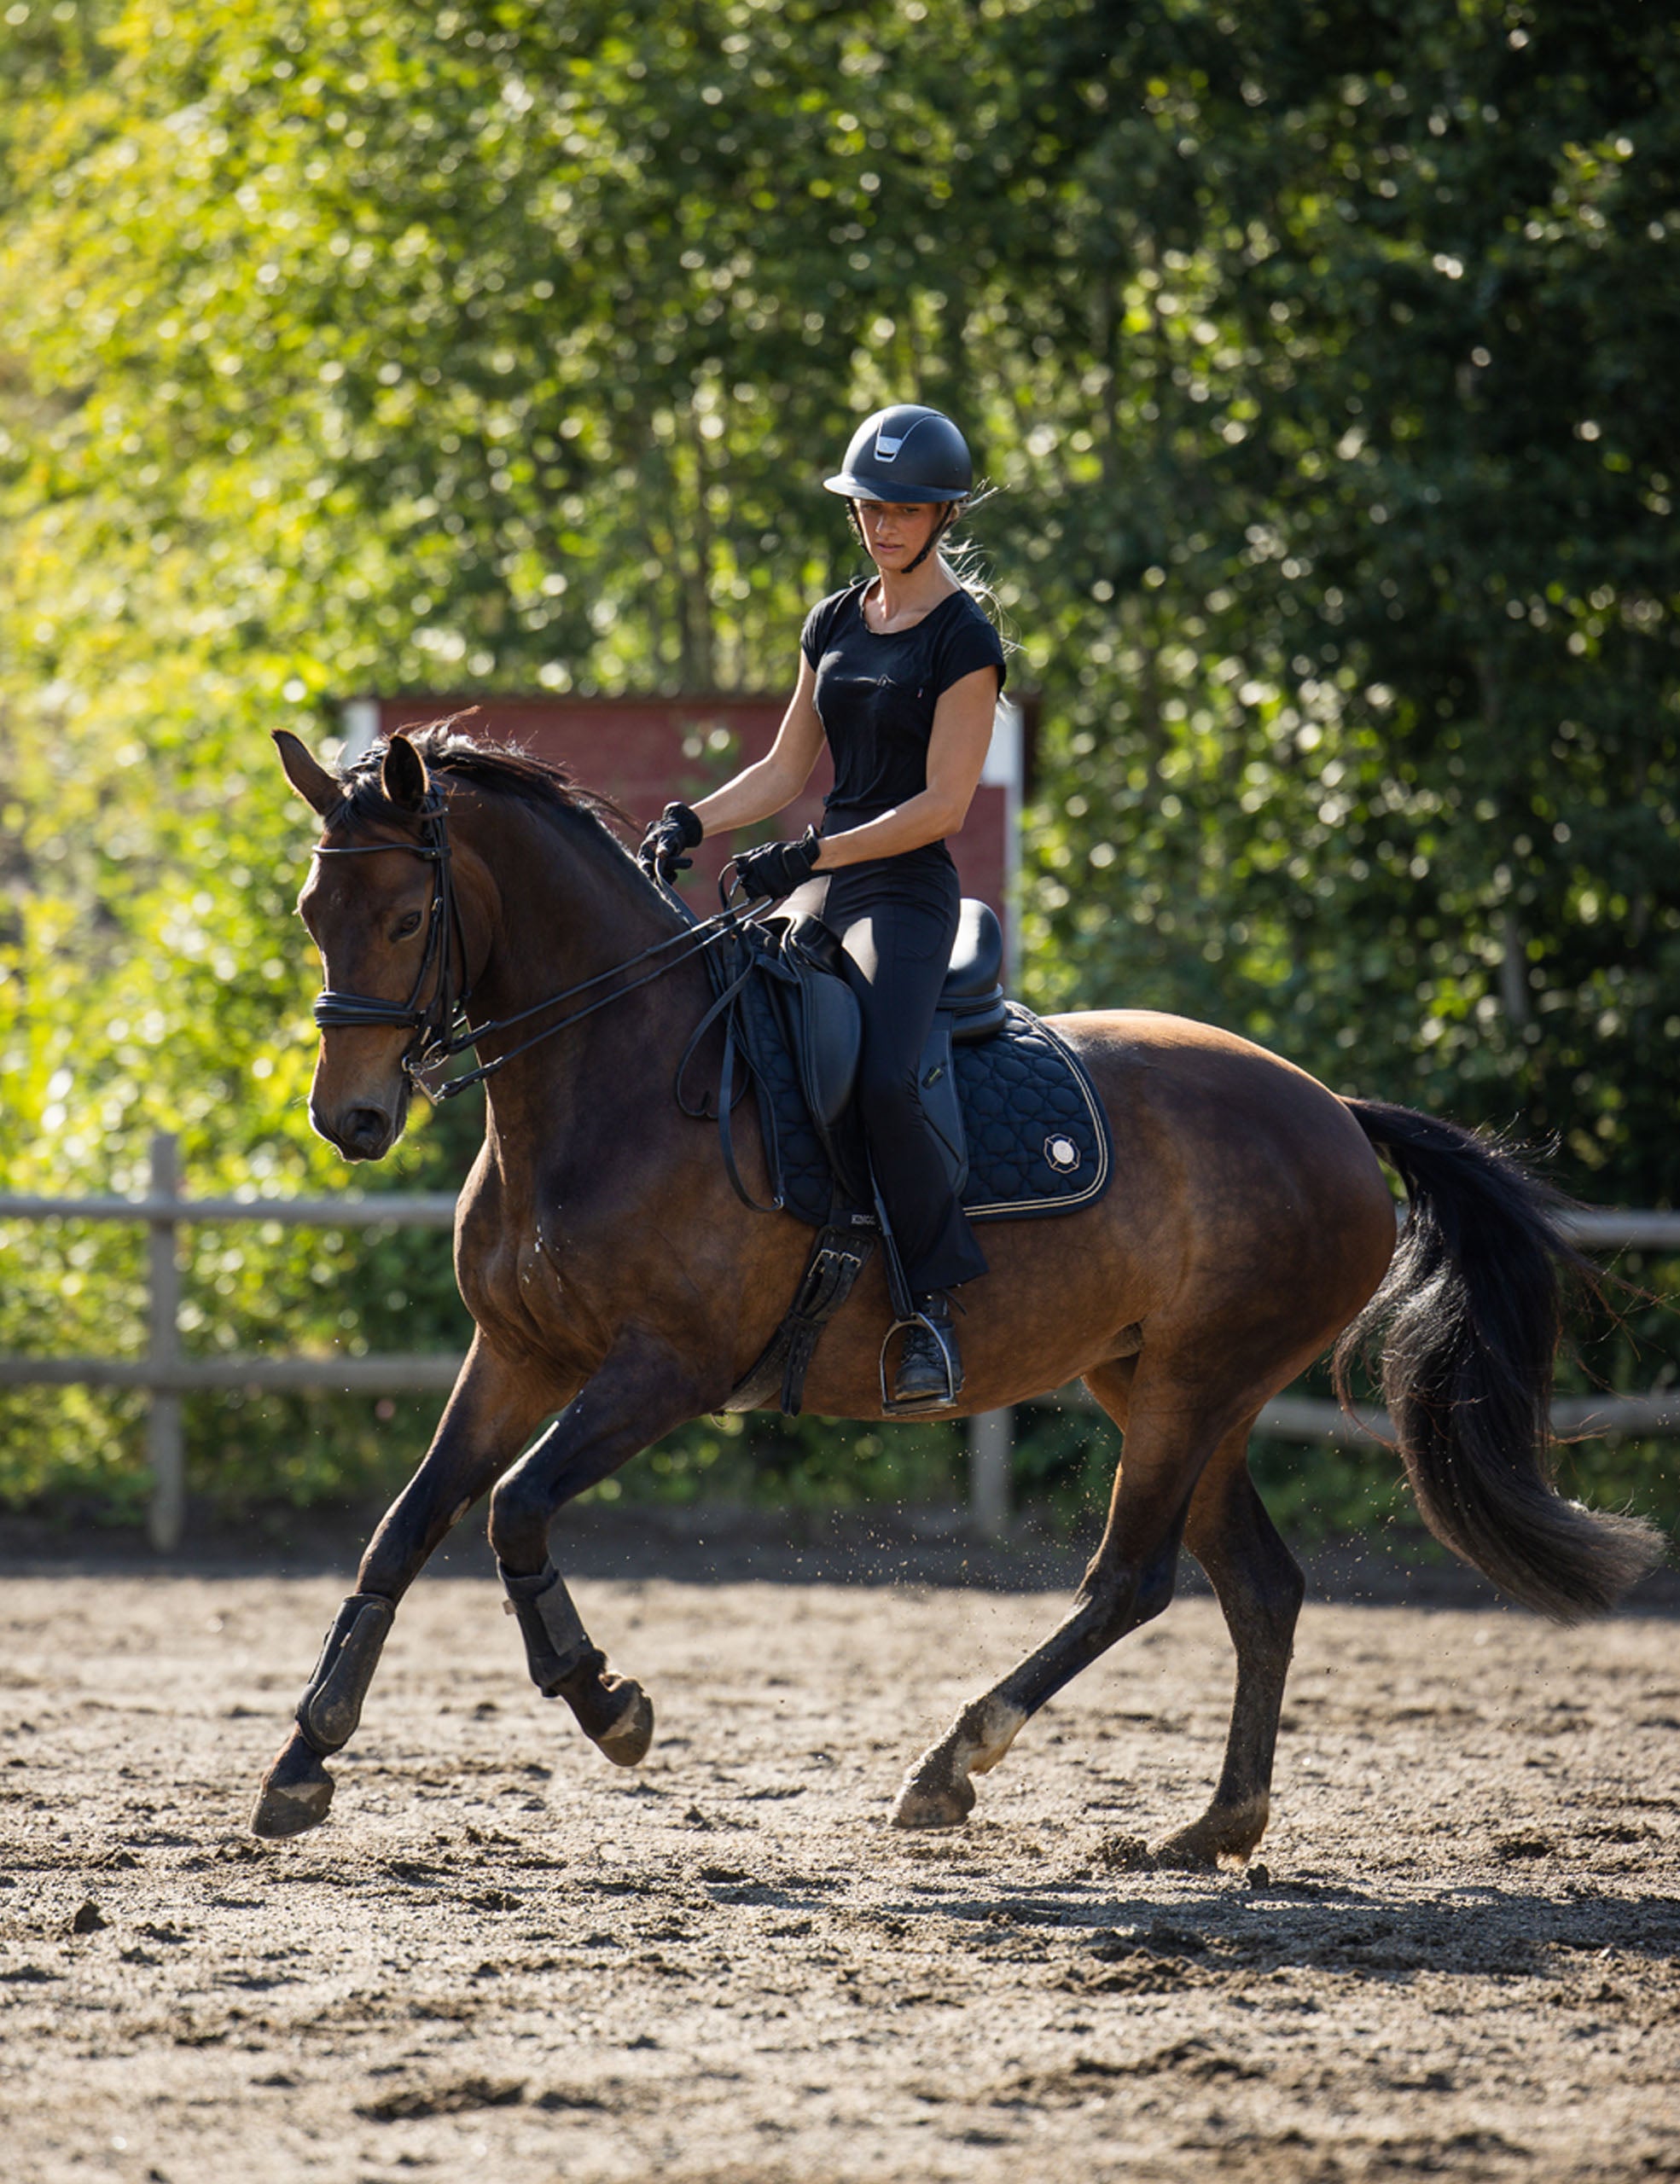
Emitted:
pixel 403 775
pixel 318 788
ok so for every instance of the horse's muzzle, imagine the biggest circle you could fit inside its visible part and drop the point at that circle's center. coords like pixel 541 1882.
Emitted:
pixel 360 1133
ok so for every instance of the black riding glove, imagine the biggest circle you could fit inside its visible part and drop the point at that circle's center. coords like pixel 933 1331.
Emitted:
pixel 675 830
pixel 776 868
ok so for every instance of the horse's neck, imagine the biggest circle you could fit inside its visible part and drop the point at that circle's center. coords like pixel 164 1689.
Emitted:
pixel 572 908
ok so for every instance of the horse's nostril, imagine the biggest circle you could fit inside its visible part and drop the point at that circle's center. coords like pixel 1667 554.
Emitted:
pixel 365 1130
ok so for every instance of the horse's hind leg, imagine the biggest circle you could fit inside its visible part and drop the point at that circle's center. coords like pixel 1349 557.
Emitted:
pixel 492 1411
pixel 1259 1588
pixel 639 1393
pixel 1130 1580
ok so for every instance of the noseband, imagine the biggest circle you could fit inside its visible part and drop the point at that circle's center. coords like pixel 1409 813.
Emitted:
pixel 440 1026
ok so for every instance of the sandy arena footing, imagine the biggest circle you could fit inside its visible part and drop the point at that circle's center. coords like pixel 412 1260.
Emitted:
pixel 504 1961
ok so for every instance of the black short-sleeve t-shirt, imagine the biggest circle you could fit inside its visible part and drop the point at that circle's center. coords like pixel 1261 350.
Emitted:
pixel 875 695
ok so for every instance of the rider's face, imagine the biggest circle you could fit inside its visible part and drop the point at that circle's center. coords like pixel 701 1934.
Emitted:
pixel 895 532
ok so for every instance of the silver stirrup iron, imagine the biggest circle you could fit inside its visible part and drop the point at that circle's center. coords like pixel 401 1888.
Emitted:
pixel 915 1405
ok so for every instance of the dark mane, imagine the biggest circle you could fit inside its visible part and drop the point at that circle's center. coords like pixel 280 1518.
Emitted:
pixel 506 768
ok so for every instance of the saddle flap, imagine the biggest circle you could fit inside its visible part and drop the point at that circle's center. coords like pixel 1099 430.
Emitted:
pixel 941 1103
pixel 825 1025
pixel 830 1036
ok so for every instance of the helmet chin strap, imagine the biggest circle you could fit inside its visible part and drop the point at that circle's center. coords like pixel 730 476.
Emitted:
pixel 934 538
pixel 953 509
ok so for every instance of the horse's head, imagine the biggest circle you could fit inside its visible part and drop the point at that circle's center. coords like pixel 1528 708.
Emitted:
pixel 378 906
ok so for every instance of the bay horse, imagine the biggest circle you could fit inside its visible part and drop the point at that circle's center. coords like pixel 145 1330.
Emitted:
pixel 617 1280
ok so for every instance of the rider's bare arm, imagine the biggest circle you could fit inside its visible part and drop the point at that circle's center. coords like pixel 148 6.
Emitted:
pixel 956 754
pixel 760 791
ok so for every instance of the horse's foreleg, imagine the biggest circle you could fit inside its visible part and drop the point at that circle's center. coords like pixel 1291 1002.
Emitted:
pixel 1259 1588
pixel 639 1393
pixel 1130 1579
pixel 492 1411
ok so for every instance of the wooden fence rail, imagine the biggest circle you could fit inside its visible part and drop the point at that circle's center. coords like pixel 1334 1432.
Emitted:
pixel 168 1373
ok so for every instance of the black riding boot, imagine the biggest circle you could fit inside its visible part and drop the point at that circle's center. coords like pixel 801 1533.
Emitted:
pixel 922 1374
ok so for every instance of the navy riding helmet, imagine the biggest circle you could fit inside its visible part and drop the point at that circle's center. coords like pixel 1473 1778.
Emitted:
pixel 905 453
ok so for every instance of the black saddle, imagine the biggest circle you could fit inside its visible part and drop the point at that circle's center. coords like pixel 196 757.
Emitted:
pixel 1013 1115
pixel 822 1026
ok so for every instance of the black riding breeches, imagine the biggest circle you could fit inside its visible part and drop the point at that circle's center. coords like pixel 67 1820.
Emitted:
pixel 897 927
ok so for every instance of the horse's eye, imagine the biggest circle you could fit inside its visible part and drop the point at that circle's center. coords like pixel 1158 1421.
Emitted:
pixel 411 924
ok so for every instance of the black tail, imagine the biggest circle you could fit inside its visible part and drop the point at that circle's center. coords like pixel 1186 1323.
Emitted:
pixel 1468 1316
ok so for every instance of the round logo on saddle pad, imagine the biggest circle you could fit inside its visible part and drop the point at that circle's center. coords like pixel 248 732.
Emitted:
pixel 1062 1155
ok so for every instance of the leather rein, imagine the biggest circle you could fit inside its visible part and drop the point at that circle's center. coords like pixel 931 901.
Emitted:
pixel 441 1027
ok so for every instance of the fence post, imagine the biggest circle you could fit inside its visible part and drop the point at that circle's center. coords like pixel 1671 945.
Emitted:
pixel 162 1432
pixel 991 1438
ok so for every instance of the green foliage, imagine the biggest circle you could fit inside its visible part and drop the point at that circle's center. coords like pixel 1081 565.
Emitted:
pixel 798 1463
pixel 1367 717
pixel 1324 354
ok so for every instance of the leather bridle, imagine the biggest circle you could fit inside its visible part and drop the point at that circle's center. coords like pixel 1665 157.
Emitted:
pixel 433 1022
pixel 440 1026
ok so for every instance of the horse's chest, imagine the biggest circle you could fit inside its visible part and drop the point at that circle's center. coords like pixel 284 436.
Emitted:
pixel 523 1283
pixel 513 1274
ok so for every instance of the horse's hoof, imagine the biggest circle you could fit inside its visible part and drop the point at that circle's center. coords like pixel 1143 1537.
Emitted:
pixel 1227 1838
pixel 928 1804
pixel 294 1796
pixel 1186 1852
pixel 626 1742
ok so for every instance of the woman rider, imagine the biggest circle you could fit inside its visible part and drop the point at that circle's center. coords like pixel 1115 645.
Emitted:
pixel 901 674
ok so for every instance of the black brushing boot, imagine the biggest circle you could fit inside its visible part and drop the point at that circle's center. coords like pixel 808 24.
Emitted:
pixel 930 1371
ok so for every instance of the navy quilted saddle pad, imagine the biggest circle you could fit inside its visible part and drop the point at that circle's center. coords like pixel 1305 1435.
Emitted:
pixel 1038 1142
pixel 1038 1135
